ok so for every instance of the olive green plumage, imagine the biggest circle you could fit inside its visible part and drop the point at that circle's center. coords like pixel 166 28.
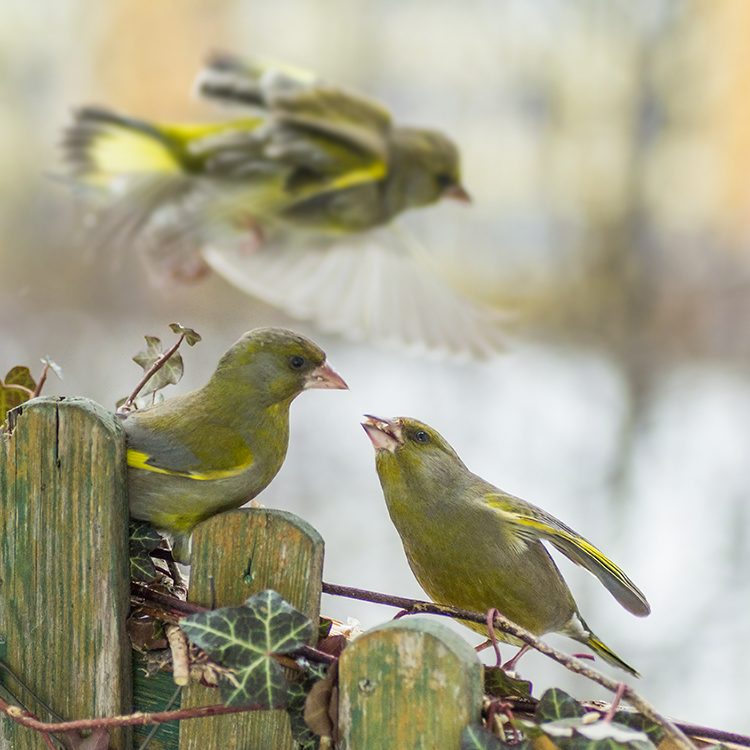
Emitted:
pixel 215 448
pixel 473 546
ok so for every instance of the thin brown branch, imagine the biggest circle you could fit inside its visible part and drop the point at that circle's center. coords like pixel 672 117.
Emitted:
pixel 150 373
pixel 507 626
pixel 42 380
pixel 706 733
pixel 170 604
pixel 139 718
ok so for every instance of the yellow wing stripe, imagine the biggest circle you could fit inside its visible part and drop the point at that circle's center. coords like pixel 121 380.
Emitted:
pixel 139 460
pixel 581 544
pixel 372 173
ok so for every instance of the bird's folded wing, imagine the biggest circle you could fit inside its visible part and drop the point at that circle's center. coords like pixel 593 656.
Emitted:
pixel 153 451
pixel 150 450
pixel 368 287
pixel 533 523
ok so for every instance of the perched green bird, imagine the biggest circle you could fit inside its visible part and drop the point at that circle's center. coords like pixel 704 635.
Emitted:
pixel 283 202
pixel 473 546
pixel 215 448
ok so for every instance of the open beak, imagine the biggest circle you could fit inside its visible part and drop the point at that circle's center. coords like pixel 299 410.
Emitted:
pixel 325 377
pixel 384 434
pixel 458 193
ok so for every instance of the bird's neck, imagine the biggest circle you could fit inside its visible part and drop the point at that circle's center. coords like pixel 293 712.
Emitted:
pixel 242 402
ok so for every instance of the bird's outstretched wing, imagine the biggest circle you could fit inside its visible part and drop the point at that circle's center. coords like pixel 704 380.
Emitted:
pixel 373 286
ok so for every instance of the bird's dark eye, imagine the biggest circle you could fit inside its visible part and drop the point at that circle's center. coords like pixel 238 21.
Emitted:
pixel 445 180
pixel 421 436
pixel 296 362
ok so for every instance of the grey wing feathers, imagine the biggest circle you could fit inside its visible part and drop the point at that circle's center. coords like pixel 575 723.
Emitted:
pixel 172 456
pixel 295 97
pixel 585 554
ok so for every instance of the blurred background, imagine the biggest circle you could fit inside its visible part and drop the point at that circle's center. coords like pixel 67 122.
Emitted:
pixel 606 144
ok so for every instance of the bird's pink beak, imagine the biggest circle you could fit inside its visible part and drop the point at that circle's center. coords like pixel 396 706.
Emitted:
pixel 457 192
pixel 325 377
pixel 384 434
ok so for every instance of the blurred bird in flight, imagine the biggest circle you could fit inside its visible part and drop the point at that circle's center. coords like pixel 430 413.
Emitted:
pixel 293 202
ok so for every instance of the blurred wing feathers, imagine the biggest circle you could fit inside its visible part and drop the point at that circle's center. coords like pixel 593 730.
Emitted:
pixel 367 287
pixel 295 99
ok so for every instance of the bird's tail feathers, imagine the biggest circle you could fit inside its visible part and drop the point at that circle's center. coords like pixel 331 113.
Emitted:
pixel 608 655
pixel 101 146
pixel 580 631
pixel 140 194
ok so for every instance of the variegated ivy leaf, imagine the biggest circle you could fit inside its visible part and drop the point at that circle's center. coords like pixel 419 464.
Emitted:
pixel 16 389
pixel 191 337
pixel 169 374
pixel 243 639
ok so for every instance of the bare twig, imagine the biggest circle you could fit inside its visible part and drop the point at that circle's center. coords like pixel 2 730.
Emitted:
pixel 180 660
pixel 139 718
pixel 156 727
pixel 42 380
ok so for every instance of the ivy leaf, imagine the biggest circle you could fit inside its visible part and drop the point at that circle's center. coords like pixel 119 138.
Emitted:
pixel 641 723
pixel 169 374
pixel 144 535
pixel 15 396
pixel 498 683
pixel 144 539
pixel 576 733
pixel 20 376
pixel 53 366
pixel 616 733
pixel 557 704
pixel 191 336
pixel 305 735
pixel 243 639
pixel 142 567
pixel 324 628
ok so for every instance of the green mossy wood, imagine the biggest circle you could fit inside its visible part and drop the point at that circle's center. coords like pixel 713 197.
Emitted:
pixel 236 555
pixel 412 683
pixel 64 584
pixel 152 694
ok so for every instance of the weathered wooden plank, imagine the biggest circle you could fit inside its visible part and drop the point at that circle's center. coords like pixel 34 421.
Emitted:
pixel 412 683
pixel 64 584
pixel 236 555
pixel 152 694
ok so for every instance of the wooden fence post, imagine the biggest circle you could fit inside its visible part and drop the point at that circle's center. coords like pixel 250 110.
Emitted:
pixel 412 683
pixel 236 555
pixel 64 580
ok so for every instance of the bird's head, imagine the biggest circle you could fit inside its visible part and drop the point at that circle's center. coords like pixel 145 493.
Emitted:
pixel 408 451
pixel 276 362
pixel 426 166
